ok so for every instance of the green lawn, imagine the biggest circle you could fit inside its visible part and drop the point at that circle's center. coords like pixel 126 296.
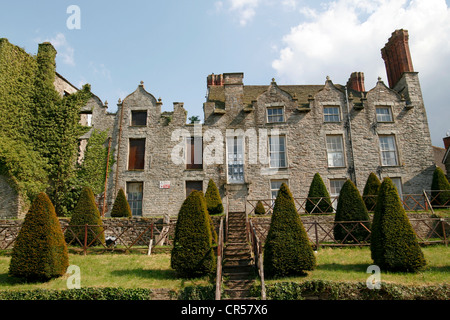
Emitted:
pixel 142 271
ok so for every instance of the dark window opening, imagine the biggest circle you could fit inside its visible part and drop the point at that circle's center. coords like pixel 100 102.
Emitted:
pixel 194 153
pixel 136 159
pixel 193 185
pixel 138 118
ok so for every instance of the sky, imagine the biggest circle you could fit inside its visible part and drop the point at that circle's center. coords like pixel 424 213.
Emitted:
pixel 173 45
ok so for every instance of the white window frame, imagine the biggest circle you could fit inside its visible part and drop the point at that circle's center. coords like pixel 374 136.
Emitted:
pixel 325 115
pixel 399 185
pixel 381 117
pixel 132 202
pixel 388 149
pixel 273 151
pixel 334 194
pixel 274 191
pixel 269 116
pixel 332 152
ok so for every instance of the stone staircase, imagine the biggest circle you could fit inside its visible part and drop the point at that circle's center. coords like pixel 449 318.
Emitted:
pixel 238 265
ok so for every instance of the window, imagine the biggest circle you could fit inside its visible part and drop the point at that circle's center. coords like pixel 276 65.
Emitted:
pixel 335 190
pixel 193 185
pixel 388 151
pixel 335 151
pixel 275 114
pixel 86 119
pixel 134 195
pixel 277 150
pixel 235 159
pixel 136 158
pixel 331 114
pixel 89 119
pixel 194 153
pixel 275 185
pixel 398 184
pixel 384 114
pixel 138 118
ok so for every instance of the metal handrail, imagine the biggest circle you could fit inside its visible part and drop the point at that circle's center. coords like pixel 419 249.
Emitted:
pixel 257 253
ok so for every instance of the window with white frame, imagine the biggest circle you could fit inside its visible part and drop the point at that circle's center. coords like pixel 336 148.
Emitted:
pixel 398 184
pixel 388 150
pixel 331 114
pixel 335 190
pixel 277 150
pixel 275 114
pixel 335 151
pixel 275 186
pixel 135 196
pixel 384 114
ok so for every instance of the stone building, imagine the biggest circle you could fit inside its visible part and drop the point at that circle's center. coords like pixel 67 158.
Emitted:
pixel 254 137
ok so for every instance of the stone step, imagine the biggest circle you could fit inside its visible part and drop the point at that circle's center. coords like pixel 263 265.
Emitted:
pixel 237 293
pixel 238 276
pixel 239 284
pixel 237 262
pixel 236 269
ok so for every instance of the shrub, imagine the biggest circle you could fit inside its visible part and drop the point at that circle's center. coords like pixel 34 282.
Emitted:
pixel 40 253
pixel 370 191
pixel 213 200
pixel 86 213
pixel 287 250
pixel 121 208
pixel 259 209
pixel 192 254
pixel 394 245
pixel 440 182
pixel 351 208
pixel 318 197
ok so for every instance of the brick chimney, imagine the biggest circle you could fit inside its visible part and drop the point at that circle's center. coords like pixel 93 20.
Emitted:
pixel 356 81
pixel 446 142
pixel 215 80
pixel 396 56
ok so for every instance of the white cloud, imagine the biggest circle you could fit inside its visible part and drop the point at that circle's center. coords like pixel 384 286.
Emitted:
pixel 347 35
pixel 65 51
pixel 246 9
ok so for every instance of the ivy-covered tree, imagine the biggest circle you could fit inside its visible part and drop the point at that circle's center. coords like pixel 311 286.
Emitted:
pixel 393 244
pixel 370 191
pixel 192 254
pixel 318 197
pixel 213 199
pixel 121 208
pixel 350 208
pixel 86 213
pixel 39 252
pixel 440 189
pixel 287 250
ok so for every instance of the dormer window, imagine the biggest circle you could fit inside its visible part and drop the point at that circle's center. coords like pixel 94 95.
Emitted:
pixel 275 114
pixel 331 114
pixel 86 119
pixel 138 118
pixel 384 114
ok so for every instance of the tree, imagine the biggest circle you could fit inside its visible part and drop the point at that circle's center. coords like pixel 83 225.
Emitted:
pixel 213 199
pixel 86 213
pixel 318 197
pixel 394 245
pixel 370 191
pixel 121 208
pixel 194 119
pixel 40 252
pixel 439 197
pixel 287 250
pixel 192 254
pixel 259 209
pixel 351 207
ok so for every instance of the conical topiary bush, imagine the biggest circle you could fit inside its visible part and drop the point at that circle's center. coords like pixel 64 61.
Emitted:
pixel 259 209
pixel 287 250
pixel 370 191
pixel 121 208
pixel 192 254
pixel 39 252
pixel 85 213
pixel 351 207
pixel 440 197
pixel 394 245
pixel 318 197
pixel 213 199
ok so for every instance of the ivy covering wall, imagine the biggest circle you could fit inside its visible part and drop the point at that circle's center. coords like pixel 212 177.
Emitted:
pixel 39 128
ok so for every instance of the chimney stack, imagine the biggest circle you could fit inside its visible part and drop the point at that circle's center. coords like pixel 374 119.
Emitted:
pixel 356 81
pixel 396 56
pixel 446 142
pixel 215 80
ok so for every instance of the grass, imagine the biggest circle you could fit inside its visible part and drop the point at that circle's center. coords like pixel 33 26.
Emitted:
pixel 142 271
pixel 350 265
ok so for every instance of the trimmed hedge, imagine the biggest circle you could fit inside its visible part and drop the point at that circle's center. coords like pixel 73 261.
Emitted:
pixel 287 250
pixel 317 190
pixel 394 245
pixel 351 207
pixel 121 208
pixel 213 199
pixel 86 212
pixel 192 254
pixel 40 252
pixel 259 209
pixel 440 182
pixel 370 191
